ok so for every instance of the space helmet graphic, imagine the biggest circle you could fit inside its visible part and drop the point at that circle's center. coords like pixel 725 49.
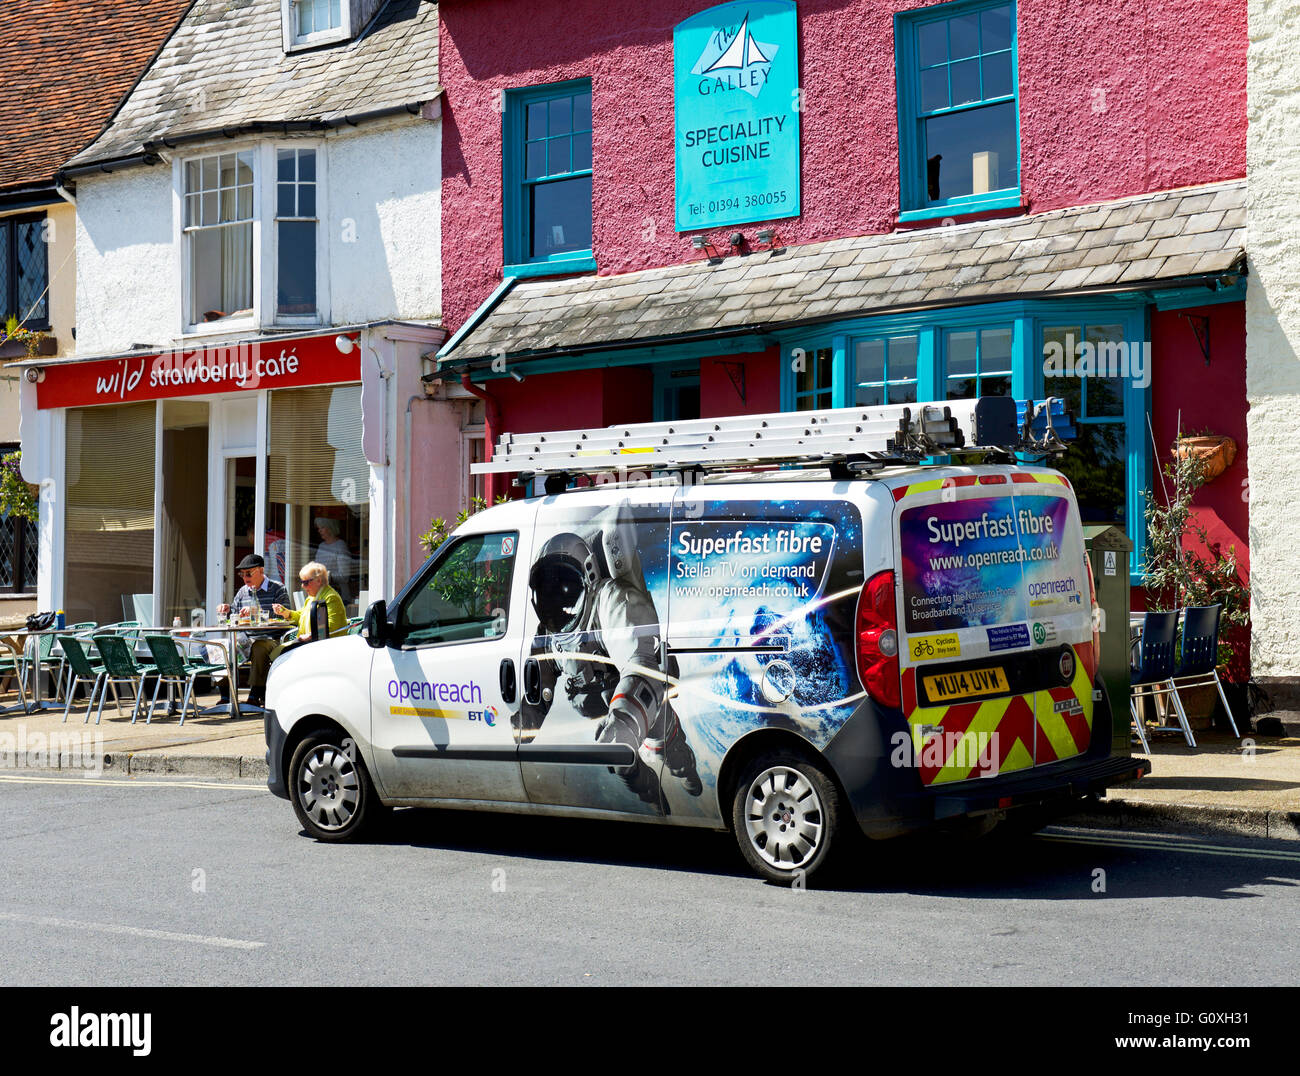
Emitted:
pixel 562 581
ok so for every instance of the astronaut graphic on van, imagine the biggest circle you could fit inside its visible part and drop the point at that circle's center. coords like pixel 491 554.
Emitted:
pixel 599 643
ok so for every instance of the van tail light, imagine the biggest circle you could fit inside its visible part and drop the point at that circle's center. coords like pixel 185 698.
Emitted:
pixel 877 641
pixel 1095 664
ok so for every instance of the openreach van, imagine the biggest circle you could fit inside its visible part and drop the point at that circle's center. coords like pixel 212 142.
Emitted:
pixel 789 626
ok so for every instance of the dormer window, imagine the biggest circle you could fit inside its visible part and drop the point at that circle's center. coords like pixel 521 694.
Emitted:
pixel 315 17
pixel 316 22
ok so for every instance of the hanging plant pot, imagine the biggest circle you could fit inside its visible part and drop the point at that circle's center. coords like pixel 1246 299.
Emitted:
pixel 1216 453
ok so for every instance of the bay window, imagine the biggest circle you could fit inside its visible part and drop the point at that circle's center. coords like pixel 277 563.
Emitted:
pixel 251 237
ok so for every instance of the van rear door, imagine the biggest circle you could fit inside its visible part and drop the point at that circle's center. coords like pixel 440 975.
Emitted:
pixel 987 686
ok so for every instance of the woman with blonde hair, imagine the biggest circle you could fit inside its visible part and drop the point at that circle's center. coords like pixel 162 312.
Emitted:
pixel 315 580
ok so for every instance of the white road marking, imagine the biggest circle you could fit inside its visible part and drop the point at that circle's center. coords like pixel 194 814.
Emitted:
pixel 135 932
pixel 128 782
pixel 1175 846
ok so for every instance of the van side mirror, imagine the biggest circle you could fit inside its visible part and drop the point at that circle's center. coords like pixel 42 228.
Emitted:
pixel 374 628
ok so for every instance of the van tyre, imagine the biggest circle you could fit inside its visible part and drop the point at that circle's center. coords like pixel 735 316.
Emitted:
pixel 331 791
pixel 786 813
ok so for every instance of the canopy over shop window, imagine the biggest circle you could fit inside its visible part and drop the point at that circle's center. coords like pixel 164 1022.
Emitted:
pixel 318 486
pixel 110 509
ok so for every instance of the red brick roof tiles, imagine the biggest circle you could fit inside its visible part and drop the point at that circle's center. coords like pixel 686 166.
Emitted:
pixel 64 67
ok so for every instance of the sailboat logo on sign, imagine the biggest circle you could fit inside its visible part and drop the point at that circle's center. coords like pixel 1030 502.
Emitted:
pixel 734 60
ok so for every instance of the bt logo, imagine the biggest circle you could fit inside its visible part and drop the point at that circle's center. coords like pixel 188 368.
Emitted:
pixel 488 716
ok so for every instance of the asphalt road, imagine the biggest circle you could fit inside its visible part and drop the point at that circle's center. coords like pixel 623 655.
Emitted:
pixel 182 882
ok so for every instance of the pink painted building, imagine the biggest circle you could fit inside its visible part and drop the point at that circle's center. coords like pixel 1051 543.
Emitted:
pixel 677 210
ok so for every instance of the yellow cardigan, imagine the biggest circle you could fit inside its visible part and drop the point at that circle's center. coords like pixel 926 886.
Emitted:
pixel 338 616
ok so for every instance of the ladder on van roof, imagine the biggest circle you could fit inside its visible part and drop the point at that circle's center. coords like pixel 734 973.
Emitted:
pixel 849 440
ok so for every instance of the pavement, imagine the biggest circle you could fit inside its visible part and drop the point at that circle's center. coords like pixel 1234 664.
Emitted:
pixel 1224 785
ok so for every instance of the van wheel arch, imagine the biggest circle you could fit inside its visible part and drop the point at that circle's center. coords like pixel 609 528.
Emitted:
pixel 304 727
pixel 758 742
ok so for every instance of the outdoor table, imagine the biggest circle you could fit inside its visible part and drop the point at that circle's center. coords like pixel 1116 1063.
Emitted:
pixel 37 704
pixel 231 648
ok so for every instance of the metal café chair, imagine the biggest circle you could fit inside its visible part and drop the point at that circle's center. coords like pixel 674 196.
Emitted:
pixel 119 668
pixel 80 631
pixel 81 670
pixel 174 668
pixel 1198 662
pixel 1151 675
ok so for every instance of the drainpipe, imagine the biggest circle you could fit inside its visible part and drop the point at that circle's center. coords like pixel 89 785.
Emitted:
pixel 406 478
pixel 492 417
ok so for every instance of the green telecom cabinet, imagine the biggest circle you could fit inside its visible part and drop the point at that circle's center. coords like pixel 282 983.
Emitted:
pixel 1109 549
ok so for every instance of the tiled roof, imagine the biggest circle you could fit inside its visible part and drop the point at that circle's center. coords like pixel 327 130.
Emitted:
pixel 1150 239
pixel 225 67
pixel 66 64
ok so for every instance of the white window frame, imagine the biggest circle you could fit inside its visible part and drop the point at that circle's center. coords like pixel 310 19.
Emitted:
pixel 289 31
pixel 265 240
pixel 321 317
pixel 201 328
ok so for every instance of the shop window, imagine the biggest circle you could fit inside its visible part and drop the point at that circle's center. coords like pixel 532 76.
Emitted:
pixel 1100 367
pixel 884 370
pixel 24 271
pixel 958 109
pixel 547 170
pixel 814 379
pixel 977 362
pixel 318 488
pixel 296 225
pixel 219 236
pixel 109 511
pixel 1097 461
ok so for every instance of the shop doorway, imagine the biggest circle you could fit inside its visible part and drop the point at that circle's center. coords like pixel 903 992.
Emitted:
pixel 241 519
pixel 183 519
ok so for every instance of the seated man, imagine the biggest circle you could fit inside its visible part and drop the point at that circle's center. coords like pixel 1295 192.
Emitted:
pixel 270 595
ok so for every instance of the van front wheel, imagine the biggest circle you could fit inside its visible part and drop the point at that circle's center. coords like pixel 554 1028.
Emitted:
pixel 331 791
pixel 785 815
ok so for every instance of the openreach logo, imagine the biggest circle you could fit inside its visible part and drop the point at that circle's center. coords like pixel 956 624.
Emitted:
pixel 112 1029
pixel 1104 358
pixel 63 749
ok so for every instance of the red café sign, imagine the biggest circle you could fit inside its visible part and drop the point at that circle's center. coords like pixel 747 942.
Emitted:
pixel 239 367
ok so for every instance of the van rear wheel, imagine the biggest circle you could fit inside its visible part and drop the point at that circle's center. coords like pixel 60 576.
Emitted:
pixel 785 814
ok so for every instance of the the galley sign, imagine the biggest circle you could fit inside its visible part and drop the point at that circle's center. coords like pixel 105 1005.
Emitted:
pixel 735 100
pixel 239 367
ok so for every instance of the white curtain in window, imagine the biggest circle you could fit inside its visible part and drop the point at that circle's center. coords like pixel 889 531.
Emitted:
pixel 237 268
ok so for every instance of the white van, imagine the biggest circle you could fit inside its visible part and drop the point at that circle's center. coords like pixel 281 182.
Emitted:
pixel 796 655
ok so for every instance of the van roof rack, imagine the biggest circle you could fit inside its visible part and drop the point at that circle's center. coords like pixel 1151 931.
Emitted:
pixel 852 441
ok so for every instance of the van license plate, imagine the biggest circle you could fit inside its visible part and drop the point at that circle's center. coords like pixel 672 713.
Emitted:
pixel 970 682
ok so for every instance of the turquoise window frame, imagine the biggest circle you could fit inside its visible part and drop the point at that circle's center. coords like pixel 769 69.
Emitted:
pixel 889 383
pixel 914 202
pixel 516 223
pixel 1027 321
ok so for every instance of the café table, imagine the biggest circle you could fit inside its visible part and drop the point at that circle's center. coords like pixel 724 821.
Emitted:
pixel 11 640
pixel 274 628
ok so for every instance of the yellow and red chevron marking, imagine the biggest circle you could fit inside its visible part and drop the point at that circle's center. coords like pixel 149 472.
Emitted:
pixel 1029 731
pixel 958 481
pixel 1065 734
pixel 996 731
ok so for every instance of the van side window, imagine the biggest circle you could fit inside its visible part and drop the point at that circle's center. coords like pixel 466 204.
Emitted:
pixel 466 597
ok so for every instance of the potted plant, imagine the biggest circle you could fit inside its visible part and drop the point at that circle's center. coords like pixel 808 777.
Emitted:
pixel 1185 569
pixel 1215 451
pixel 17 498
pixel 17 342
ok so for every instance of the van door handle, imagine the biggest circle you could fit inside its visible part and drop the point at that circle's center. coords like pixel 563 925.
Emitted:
pixel 507 676
pixel 532 682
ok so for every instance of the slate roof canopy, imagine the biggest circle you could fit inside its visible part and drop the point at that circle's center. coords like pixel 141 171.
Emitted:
pixel 66 65
pixel 225 69
pixel 1152 240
